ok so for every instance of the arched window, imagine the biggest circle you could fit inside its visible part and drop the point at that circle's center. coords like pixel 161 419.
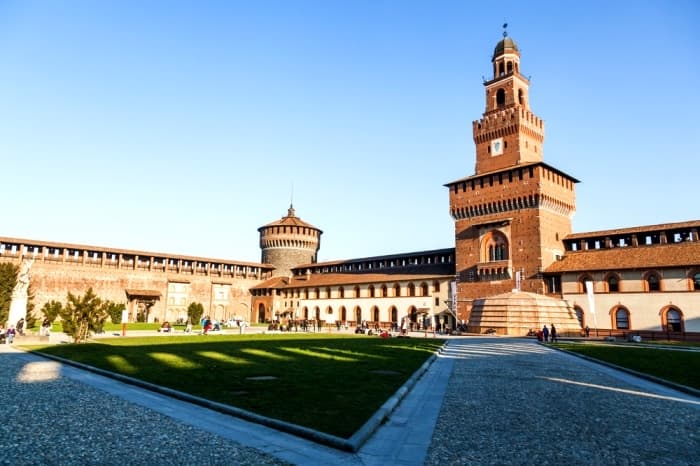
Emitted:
pixel 652 282
pixel 622 318
pixel 394 314
pixel 500 98
pixel 358 315
pixel 397 290
pixel 371 291
pixel 673 320
pixel 436 287
pixel 375 314
pixel 411 289
pixel 328 292
pixel 356 292
pixel 521 99
pixel 613 283
pixel 341 292
pixel 424 289
pixel 582 283
pixel 318 293
pixel 385 292
pixel 494 246
pixel 696 282
pixel 509 67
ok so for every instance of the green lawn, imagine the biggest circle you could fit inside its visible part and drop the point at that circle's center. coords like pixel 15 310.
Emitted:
pixel 328 383
pixel 681 367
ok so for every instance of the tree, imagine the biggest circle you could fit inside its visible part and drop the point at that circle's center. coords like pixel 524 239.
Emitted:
pixel 194 312
pixel 8 280
pixel 114 310
pixel 52 310
pixel 83 315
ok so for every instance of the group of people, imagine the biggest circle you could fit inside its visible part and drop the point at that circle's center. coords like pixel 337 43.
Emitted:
pixel 7 335
pixel 209 325
pixel 547 335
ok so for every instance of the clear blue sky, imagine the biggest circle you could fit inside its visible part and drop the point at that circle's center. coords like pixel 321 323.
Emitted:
pixel 181 127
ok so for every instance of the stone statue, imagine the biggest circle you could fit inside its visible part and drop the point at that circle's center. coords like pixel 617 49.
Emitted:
pixel 22 284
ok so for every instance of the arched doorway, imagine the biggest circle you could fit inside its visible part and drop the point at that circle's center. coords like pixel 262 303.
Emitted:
pixel 261 313
pixel 358 315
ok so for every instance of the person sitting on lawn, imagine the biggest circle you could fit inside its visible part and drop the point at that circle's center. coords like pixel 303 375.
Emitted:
pixel 10 334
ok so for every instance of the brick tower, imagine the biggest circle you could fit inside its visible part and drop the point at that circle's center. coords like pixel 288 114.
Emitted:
pixel 512 214
pixel 289 242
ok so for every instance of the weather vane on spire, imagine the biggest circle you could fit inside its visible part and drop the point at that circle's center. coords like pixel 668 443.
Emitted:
pixel 505 32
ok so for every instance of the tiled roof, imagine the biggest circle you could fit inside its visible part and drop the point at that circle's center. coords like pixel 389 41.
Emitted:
pixel 427 252
pixel 289 220
pixel 335 279
pixel 640 229
pixel 686 254
pixel 515 167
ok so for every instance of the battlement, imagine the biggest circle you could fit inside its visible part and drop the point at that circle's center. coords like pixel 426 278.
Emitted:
pixel 506 117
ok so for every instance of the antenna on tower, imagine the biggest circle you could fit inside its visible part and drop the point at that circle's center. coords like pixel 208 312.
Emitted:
pixel 505 32
pixel 291 196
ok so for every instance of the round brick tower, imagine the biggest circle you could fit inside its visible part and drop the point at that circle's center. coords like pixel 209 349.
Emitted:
pixel 288 243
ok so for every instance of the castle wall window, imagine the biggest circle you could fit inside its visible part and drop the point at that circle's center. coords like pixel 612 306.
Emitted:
pixel 411 289
pixel 672 318
pixel 371 291
pixel 385 291
pixel 652 282
pixel 494 247
pixel 582 283
pixel 613 284
pixel 696 282
pixel 500 97
pixel 622 318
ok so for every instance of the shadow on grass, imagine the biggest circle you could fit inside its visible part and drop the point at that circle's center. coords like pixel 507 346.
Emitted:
pixel 332 384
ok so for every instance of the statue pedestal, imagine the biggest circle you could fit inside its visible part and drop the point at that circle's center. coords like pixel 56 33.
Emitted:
pixel 18 310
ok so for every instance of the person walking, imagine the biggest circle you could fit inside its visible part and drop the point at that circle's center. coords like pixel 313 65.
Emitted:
pixel 545 333
pixel 20 326
pixel 553 333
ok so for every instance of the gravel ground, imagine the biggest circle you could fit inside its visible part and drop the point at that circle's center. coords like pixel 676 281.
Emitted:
pixel 522 403
pixel 52 420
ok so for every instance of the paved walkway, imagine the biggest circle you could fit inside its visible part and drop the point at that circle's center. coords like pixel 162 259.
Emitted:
pixel 484 401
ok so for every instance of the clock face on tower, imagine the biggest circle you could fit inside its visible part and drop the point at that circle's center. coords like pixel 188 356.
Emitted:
pixel 497 146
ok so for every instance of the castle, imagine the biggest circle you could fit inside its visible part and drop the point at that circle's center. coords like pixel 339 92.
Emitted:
pixel 515 264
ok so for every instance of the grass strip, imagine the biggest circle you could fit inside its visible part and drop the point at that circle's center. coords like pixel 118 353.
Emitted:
pixel 328 383
pixel 682 367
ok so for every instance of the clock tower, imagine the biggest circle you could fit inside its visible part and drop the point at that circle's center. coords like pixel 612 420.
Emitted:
pixel 512 214
pixel 509 133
